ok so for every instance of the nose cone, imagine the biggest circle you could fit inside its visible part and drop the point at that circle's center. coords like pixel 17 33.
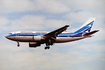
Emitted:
pixel 9 37
pixel 6 37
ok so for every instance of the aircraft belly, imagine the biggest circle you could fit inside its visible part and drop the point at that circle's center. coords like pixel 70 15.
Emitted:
pixel 67 39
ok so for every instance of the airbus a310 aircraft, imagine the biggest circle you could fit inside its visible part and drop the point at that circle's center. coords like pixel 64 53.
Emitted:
pixel 35 39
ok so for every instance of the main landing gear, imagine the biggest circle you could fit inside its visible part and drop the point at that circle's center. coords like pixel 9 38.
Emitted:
pixel 50 42
pixel 47 48
pixel 18 43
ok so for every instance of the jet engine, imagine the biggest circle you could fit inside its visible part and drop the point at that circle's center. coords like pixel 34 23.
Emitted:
pixel 34 44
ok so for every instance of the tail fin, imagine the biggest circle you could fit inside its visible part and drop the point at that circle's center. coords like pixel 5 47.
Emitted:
pixel 86 27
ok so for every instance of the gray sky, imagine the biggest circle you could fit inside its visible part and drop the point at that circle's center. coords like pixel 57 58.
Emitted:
pixel 48 15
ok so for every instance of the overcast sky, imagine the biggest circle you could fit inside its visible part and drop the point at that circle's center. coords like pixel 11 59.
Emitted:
pixel 48 15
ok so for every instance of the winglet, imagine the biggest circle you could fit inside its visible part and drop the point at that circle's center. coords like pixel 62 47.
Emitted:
pixel 67 25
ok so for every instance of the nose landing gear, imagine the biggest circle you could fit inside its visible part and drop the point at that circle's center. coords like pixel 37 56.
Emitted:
pixel 18 43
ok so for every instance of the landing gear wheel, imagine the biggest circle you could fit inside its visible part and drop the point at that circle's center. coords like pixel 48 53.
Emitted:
pixel 47 48
pixel 18 45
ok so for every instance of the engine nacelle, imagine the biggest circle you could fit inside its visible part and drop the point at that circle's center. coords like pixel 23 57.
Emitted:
pixel 38 38
pixel 34 44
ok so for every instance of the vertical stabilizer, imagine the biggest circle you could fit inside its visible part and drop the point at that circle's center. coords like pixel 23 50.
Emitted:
pixel 90 20
pixel 86 27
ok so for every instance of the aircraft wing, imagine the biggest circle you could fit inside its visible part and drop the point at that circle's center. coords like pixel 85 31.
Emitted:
pixel 56 32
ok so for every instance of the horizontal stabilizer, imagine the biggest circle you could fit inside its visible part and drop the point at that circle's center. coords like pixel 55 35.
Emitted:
pixel 90 33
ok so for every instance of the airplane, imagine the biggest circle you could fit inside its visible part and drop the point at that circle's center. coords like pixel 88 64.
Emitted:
pixel 35 38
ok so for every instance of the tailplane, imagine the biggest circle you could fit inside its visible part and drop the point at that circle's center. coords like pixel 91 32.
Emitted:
pixel 90 33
